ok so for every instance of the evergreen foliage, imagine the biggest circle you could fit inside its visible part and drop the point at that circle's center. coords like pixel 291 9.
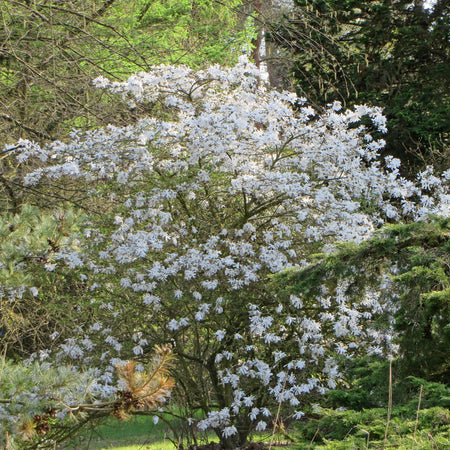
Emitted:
pixel 391 54
pixel 42 405
pixel 344 430
pixel 420 415
pixel 37 299
pixel 407 264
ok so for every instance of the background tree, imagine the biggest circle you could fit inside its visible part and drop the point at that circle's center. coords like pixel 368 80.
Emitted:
pixel 391 54
pixel 50 52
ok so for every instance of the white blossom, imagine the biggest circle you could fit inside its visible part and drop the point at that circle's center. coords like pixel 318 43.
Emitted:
pixel 34 291
pixel 229 431
pixel 220 334
pixel 261 426
pixel 232 186
pixel 298 415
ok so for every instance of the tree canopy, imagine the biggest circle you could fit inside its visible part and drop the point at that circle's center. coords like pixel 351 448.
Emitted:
pixel 391 54
pixel 51 51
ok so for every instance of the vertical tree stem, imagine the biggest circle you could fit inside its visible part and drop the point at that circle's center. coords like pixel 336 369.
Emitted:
pixel 389 404
pixel 278 413
pixel 417 418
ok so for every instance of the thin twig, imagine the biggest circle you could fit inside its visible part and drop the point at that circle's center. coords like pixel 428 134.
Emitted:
pixel 16 122
pixel 278 413
pixel 314 437
pixel 3 361
pixel 389 404
pixel 431 438
pixel 417 418
pixel 368 437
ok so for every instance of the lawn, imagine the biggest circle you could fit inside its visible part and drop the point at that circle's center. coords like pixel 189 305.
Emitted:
pixel 140 431
pixel 328 430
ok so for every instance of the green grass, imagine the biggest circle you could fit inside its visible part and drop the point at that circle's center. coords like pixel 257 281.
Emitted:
pixel 328 430
pixel 137 433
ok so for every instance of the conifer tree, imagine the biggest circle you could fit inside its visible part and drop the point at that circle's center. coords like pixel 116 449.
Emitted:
pixel 390 54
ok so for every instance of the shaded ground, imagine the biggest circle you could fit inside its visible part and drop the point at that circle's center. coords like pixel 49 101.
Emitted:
pixel 216 446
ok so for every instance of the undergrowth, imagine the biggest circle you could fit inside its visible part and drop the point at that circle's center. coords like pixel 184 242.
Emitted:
pixel 357 418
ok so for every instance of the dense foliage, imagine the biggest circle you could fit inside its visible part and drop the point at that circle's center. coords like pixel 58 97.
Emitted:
pixel 391 54
pixel 407 264
pixel 358 416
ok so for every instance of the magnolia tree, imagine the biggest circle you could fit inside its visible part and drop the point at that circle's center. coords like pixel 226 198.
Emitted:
pixel 227 183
